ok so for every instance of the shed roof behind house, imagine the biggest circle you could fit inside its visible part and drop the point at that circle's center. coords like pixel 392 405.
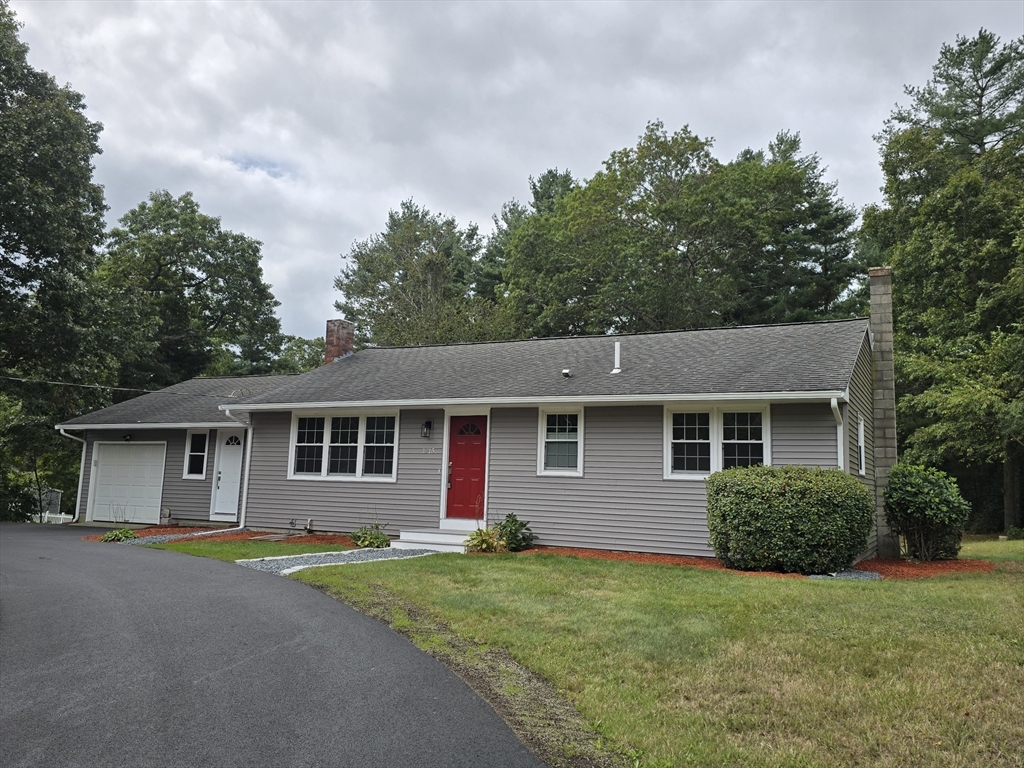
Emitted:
pixel 792 358
pixel 191 402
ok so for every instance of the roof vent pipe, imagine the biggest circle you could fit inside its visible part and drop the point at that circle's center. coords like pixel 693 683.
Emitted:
pixel 618 357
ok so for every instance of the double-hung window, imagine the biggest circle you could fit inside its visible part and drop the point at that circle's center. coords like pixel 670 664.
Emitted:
pixel 691 442
pixel 560 445
pixel 344 447
pixel 701 441
pixel 742 441
pixel 197 443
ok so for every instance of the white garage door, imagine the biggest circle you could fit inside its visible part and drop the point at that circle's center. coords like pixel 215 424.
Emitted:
pixel 128 480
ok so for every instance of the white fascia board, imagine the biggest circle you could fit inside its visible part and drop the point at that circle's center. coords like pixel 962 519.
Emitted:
pixel 147 425
pixel 592 400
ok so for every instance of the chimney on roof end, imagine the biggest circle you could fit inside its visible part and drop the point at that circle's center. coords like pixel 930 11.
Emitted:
pixel 884 398
pixel 340 340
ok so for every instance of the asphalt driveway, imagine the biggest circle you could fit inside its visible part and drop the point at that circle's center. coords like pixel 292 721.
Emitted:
pixel 126 656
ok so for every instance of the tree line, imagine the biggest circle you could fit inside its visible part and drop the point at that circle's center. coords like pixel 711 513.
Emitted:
pixel 165 296
pixel 665 236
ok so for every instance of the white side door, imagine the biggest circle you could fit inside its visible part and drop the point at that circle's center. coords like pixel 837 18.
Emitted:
pixel 227 474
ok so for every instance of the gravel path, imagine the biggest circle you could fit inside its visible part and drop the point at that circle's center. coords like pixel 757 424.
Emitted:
pixel 852 575
pixel 292 563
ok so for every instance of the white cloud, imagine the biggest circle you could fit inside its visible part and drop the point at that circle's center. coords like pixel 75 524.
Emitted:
pixel 301 124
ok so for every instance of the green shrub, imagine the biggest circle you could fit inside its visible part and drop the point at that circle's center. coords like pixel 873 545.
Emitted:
pixel 1013 533
pixel 515 533
pixel 924 506
pixel 486 540
pixel 789 519
pixel 119 534
pixel 371 536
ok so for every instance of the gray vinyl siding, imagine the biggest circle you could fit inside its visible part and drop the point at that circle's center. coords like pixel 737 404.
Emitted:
pixel 187 499
pixel 862 403
pixel 413 501
pixel 804 434
pixel 622 502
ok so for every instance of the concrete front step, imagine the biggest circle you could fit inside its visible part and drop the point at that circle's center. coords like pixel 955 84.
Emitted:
pixel 443 541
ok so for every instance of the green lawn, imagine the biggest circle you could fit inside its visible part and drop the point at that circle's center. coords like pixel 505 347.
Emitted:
pixel 688 667
pixel 989 548
pixel 243 550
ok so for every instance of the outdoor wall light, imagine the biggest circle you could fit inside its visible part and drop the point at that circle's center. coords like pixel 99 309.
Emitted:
pixel 425 429
pixel 127 438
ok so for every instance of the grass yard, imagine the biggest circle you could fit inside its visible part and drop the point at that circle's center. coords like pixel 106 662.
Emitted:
pixel 989 548
pixel 243 550
pixel 685 667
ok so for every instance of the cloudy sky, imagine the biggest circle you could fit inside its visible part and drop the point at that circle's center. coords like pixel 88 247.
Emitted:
pixel 302 123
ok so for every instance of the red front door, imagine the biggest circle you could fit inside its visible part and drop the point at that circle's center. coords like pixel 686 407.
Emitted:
pixel 467 460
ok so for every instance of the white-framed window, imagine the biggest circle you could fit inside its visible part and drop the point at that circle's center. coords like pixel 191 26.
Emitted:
pixel 691 442
pixel 197 448
pixel 560 443
pixel 344 447
pixel 861 462
pixel 700 440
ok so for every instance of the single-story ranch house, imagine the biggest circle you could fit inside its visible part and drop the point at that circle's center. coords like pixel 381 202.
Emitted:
pixel 600 442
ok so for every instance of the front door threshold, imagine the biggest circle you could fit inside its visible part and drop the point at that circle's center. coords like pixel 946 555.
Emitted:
pixel 460 524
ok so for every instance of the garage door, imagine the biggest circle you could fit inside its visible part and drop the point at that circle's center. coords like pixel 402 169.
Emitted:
pixel 128 480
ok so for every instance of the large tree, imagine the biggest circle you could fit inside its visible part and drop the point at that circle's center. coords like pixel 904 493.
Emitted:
pixel 951 226
pixel 416 283
pixel 193 292
pixel 51 317
pixel 668 237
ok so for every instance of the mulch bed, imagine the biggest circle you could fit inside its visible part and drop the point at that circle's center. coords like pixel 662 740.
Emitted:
pixel 889 568
pixel 309 538
pixel 143 533
pixel 893 568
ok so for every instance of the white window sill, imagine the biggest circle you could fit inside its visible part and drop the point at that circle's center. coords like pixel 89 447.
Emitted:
pixel 556 473
pixel 682 476
pixel 340 479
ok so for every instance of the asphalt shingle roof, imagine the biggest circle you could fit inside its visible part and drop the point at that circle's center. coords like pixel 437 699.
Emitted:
pixel 191 402
pixel 798 357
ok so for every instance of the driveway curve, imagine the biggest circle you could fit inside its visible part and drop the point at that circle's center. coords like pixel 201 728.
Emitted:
pixel 127 656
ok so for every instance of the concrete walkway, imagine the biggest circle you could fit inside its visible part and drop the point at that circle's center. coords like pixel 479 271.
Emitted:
pixel 127 656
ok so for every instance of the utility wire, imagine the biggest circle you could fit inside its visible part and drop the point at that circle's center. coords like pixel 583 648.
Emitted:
pixel 128 389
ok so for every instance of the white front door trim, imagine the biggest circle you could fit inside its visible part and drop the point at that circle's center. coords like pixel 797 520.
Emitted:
pixel 227 476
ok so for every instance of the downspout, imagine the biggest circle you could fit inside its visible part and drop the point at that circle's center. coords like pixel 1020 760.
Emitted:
pixel 840 453
pixel 81 474
pixel 248 463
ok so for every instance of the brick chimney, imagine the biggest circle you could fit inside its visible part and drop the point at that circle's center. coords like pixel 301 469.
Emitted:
pixel 340 340
pixel 885 398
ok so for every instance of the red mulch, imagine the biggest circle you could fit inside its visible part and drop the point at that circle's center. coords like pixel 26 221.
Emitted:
pixel 309 538
pixel 238 536
pixel 893 568
pixel 156 531
pixel 889 568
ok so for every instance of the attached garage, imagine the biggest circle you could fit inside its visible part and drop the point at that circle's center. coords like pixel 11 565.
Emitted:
pixel 127 482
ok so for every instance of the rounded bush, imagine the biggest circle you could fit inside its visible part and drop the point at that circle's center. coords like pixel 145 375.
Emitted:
pixel 924 506
pixel 789 519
